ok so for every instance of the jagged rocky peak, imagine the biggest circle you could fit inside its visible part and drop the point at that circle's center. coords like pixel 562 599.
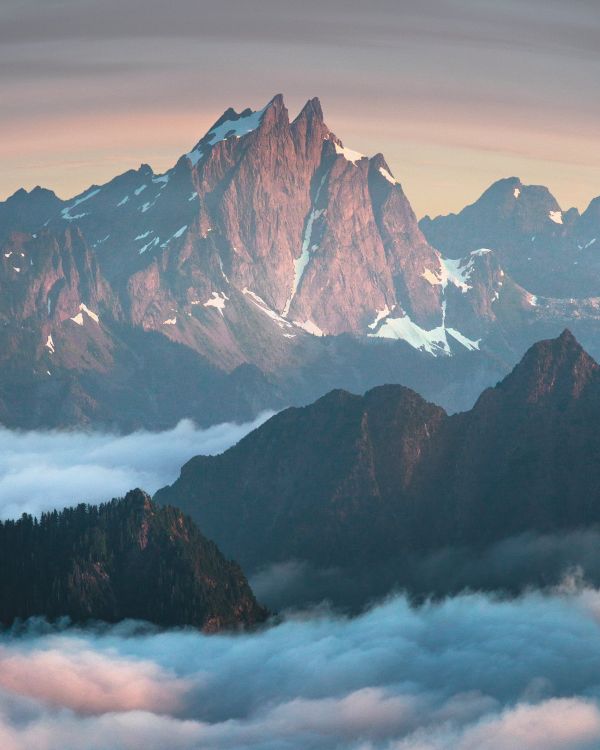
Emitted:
pixel 312 110
pixel 270 231
pixel 233 124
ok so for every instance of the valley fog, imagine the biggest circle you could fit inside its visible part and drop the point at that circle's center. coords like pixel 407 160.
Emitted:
pixel 472 672
pixel 40 471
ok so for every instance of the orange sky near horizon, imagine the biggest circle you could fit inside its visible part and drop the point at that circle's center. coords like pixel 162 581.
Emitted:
pixel 454 96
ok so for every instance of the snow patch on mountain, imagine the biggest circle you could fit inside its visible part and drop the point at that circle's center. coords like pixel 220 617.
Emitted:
pixel 309 327
pixel 175 236
pixel 89 313
pixel 348 154
pixel 217 300
pixel 263 307
pixel 390 178
pixel 433 341
pixel 153 242
pixel 228 129
pixel 462 339
pixel 556 217
pixel 380 315
pixel 66 212
pixel 301 262
pixel 84 309
pixel 456 271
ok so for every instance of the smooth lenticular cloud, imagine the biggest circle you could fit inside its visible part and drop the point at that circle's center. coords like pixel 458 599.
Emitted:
pixel 471 673
pixel 44 470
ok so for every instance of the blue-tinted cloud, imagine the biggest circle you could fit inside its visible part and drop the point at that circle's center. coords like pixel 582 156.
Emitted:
pixel 45 470
pixel 469 673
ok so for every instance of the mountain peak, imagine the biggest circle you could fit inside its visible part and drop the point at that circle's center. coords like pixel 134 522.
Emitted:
pixel 510 193
pixel 276 102
pixel 126 575
pixel 312 110
pixel 38 193
pixel 558 368
pixel 593 210
pixel 234 124
pixel 566 338
pixel 138 499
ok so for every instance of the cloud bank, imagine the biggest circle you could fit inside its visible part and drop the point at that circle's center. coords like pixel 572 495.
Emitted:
pixel 44 470
pixel 469 673
pixel 508 568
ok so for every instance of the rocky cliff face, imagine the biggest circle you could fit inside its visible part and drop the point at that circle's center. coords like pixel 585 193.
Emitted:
pixel 124 559
pixel 359 481
pixel 279 212
pixel 266 249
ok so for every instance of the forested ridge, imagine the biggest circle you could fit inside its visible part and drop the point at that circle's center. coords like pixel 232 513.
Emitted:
pixel 125 558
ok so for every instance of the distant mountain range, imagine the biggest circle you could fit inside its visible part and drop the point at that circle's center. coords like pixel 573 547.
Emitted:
pixel 123 559
pixel 372 483
pixel 552 253
pixel 269 265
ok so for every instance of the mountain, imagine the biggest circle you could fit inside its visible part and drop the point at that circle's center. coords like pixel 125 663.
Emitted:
pixel 124 559
pixel 25 211
pixel 550 252
pixel 368 481
pixel 268 265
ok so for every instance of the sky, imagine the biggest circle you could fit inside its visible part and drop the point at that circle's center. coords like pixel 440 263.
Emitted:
pixel 455 93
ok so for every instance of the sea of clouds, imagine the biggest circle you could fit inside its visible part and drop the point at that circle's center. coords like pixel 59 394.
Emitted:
pixel 52 469
pixel 470 673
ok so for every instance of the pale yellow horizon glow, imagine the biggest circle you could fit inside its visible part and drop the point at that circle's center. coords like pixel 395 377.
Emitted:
pixel 455 93
pixel 443 164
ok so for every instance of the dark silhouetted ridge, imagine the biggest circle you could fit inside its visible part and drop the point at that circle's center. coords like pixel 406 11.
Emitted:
pixel 125 559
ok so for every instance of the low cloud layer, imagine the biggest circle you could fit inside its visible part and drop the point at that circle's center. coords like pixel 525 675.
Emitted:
pixel 469 673
pixel 508 568
pixel 45 470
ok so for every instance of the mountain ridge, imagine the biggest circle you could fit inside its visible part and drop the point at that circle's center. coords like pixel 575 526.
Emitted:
pixel 269 245
pixel 123 559
pixel 360 479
